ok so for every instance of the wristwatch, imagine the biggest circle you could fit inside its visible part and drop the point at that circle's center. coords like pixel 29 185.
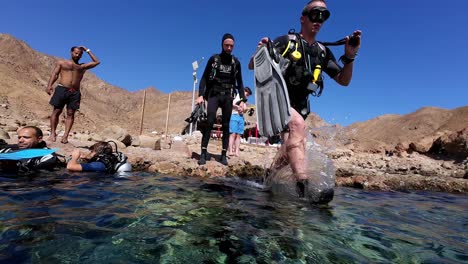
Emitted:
pixel 346 60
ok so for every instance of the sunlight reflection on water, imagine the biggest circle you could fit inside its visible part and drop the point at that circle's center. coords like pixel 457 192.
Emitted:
pixel 152 218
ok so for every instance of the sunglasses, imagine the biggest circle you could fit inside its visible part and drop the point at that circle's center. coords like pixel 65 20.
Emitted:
pixel 317 14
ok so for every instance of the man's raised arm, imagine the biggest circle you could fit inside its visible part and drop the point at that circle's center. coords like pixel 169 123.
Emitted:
pixel 92 64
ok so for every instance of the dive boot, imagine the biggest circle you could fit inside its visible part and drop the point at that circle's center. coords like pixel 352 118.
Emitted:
pixel 202 160
pixel 223 160
pixel 301 187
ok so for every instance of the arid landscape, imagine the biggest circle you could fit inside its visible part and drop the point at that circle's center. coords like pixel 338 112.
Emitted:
pixel 426 149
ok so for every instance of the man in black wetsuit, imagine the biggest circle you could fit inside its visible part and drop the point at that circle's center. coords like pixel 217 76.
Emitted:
pixel 299 77
pixel 222 74
pixel 29 137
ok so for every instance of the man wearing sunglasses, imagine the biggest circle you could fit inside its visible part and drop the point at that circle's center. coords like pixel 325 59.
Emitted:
pixel 300 75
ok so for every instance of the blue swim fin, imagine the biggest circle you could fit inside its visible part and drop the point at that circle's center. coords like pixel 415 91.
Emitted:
pixel 26 154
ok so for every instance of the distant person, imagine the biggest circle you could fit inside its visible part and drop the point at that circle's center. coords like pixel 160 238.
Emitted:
pixel 30 137
pixel 67 91
pixel 221 76
pixel 101 158
pixel 300 80
pixel 237 123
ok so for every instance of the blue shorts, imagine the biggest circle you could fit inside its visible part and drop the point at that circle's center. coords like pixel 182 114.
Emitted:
pixel 237 124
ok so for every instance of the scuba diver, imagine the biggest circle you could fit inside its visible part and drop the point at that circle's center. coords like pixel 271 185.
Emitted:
pixel 221 76
pixel 38 157
pixel 299 61
pixel 101 158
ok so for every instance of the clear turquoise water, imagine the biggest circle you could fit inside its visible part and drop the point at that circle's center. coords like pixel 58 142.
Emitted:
pixel 151 218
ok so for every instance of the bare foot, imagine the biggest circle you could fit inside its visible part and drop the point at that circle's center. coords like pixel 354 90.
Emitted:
pixel 53 137
pixel 64 140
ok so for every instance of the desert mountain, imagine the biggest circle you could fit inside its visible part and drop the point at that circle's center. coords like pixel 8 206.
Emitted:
pixel 422 126
pixel 24 74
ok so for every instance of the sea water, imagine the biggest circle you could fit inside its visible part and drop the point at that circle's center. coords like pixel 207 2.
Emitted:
pixel 318 167
pixel 155 218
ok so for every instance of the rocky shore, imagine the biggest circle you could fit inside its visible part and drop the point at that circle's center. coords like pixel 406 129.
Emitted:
pixel 423 150
pixel 178 155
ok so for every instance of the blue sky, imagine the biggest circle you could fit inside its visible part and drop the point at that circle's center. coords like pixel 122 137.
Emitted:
pixel 413 54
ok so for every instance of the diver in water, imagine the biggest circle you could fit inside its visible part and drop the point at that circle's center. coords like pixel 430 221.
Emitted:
pixel 101 158
pixel 306 60
pixel 29 137
pixel 221 76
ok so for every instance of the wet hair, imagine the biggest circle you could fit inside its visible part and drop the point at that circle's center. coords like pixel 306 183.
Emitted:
pixel 36 129
pixel 305 10
pixel 75 47
pixel 247 89
pixel 101 147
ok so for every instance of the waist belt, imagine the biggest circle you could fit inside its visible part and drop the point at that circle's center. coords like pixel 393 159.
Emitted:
pixel 223 88
pixel 227 85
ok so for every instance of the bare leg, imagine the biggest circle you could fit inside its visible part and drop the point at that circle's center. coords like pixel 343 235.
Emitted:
pixel 231 144
pixel 295 145
pixel 54 119
pixel 68 125
pixel 237 145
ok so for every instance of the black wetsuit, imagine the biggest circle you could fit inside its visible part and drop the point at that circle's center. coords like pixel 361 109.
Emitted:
pixel 26 166
pixel 217 88
pixel 297 89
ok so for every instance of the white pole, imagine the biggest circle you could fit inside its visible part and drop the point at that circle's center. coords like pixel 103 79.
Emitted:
pixel 193 96
pixel 195 67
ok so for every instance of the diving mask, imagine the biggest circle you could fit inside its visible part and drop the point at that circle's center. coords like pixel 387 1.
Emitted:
pixel 317 14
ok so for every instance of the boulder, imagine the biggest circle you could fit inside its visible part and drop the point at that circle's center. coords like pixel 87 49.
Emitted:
pixel 180 146
pixel 150 142
pixel 82 137
pixel 117 133
pixel 135 141
pixel 422 146
pixel 95 137
pixel 120 145
pixel 4 134
pixel 453 145
pixel 11 128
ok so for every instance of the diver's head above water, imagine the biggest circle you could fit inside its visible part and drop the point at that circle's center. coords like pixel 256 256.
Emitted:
pixel 30 137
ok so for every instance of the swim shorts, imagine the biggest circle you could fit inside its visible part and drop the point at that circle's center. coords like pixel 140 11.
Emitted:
pixel 236 124
pixel 66 96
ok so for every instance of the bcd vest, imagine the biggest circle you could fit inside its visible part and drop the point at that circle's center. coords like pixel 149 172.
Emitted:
pixel 305 69
pixel 223 76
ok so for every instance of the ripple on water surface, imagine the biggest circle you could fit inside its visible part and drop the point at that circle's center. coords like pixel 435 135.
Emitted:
pixel 152 218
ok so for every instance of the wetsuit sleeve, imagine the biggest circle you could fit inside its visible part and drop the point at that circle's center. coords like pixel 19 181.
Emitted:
pixel 93 166
pixel 332 68
pixel 205 77
pixel 240 83
pixel 47 162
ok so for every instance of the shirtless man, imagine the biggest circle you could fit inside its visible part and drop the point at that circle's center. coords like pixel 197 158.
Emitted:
pixel 67 92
